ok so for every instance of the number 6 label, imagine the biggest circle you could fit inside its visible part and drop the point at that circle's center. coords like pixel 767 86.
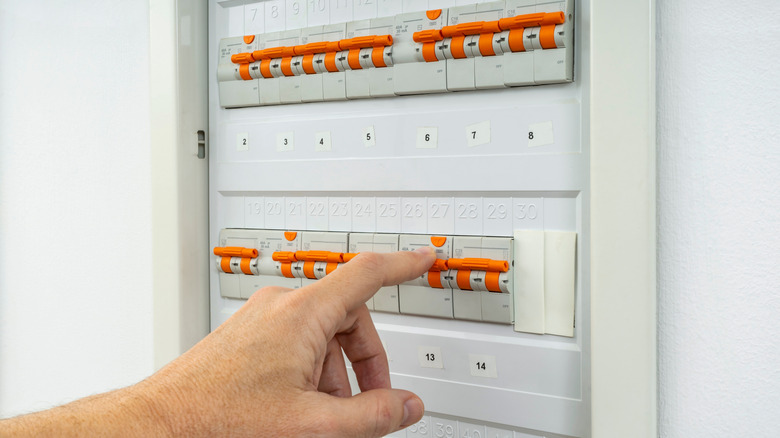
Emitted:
pixel 430 357
pixel 427 137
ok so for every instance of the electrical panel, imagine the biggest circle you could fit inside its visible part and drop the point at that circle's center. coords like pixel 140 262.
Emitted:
pixel 344 126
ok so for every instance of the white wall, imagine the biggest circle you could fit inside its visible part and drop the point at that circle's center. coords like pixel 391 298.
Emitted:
pixel 75 199
pixel 719 218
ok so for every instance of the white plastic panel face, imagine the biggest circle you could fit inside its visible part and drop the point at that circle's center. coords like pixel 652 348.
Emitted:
pixel 457 153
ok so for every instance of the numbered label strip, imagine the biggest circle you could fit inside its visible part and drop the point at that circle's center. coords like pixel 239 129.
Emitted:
pixel 444 215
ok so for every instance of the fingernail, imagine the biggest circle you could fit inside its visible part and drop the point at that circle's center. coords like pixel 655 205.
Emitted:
pixel 412 412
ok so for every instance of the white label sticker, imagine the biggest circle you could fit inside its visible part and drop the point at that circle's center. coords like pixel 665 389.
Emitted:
pixel 427 137
pixel 482 365
pixel 285 141
pixel 430 357
pixel 322 141
pixel 369 139
pixel 242 141
pixel 540 134
pixel 478 133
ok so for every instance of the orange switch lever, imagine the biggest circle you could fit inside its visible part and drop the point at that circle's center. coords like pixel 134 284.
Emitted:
pixel 273 52
pixel 319 256
pixel 308 49
pixel 366 41
pixel 349 256
pixel 532 20
pixel 242 58
pixel 284 256
pixel 479 264
pixel 439 265
pixel 427 36
pixel 491 27
pixel 235 251
pixel 470 28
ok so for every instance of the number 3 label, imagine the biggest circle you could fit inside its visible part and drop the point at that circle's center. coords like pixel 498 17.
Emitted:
pixel 430 357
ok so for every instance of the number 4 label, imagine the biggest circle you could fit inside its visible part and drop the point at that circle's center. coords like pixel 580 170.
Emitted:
pixel 430 357
pixel 322 141
pixel 482 365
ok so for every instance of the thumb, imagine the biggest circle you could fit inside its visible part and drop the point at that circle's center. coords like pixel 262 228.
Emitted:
pixel 376 413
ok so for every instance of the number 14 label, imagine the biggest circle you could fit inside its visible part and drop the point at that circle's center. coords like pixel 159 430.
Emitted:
pixel 482 365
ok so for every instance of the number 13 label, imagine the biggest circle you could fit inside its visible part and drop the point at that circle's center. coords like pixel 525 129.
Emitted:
pixel 430 357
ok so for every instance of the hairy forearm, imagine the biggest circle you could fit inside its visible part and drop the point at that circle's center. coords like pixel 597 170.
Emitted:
pixel 125 412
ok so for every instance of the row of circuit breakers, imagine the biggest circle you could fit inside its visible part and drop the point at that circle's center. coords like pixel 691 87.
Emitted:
pixel 489 45
pixel 474 277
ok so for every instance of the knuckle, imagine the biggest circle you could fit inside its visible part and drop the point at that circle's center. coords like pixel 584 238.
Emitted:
pixel 385 418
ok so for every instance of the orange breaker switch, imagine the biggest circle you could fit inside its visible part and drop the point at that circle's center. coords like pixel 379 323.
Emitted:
pixel 365 42
pixel 427 36
pixel 532 20
pixel 242 58
pixel 284 256
pixel 470 28
pixel 477 264
pixel 439 265
pixel 235 251
pixel 273 52
pixel 319 256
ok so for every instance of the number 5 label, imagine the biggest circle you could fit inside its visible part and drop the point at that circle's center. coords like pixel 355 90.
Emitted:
pixel 430 357
pixel 368 137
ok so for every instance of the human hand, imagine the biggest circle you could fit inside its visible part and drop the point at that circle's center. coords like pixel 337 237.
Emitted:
pixel 275 368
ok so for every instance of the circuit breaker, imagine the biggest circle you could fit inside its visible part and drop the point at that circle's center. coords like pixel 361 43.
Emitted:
pixel 345 126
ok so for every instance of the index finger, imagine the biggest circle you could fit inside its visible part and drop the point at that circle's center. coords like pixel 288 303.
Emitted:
pixel 355 282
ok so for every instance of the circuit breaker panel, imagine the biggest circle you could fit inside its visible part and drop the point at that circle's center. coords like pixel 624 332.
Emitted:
pixel 344 126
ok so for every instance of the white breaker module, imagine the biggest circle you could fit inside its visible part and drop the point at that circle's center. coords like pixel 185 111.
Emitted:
pixel 346 126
